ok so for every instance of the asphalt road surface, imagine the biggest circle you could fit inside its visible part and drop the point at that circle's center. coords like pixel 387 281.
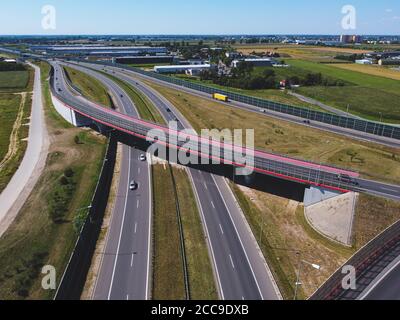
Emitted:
pixel 389 287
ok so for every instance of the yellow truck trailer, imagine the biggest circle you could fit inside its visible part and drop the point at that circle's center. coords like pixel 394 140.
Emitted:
pixel 220 97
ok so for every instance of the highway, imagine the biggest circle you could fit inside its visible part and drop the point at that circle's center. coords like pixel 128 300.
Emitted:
pixel 282 116
pixel 376 188
pixel 240 270
pixel 126 263
pixel 387 286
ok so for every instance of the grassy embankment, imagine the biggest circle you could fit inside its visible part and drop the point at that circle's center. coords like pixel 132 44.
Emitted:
pixel 38 236
pixel 284 229
pixel 90 87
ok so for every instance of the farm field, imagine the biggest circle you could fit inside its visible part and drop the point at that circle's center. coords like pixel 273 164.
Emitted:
pixel 370 96
pixel 13 79
pixel 374 70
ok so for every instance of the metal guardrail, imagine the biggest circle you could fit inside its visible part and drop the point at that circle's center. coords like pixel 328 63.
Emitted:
pixel 368 262
pixel 371 127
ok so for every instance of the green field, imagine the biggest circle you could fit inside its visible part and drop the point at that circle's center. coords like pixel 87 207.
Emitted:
pixel 9 105
pixel 14 79
pixel 369 96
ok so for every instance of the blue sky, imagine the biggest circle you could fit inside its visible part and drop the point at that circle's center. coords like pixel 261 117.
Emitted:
pixel 199 17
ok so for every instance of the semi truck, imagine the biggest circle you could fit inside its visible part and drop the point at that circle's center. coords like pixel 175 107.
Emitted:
pixel 220 97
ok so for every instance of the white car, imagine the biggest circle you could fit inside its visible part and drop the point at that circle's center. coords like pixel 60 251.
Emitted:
pixel 142 157
pixel 133 185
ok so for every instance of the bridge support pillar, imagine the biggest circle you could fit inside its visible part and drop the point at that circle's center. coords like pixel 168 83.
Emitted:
pixel 330 213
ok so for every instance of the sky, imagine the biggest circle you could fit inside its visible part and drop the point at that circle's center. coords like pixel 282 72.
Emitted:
pixel 22 17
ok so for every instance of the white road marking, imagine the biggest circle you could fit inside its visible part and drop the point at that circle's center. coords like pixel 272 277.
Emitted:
pixel 212 203
pixel 149 234
pixel 205 186
pixel 137 203
pixel 138 169
pixel 127 297
pixel 222 231
pixel 135 227
pixel 233 265
pixel 240 240
pixel 132 260
pixel 388 189
pixel 122 226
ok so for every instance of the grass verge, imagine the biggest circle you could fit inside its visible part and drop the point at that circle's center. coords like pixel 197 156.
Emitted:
pixel 201 280
pixel 168 276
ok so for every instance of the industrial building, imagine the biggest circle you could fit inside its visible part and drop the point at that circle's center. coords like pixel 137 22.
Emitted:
pixel 256 62
pixel 350 39
pixel 143 59
pixel 191 69
pixel 364 61
pixel 90 50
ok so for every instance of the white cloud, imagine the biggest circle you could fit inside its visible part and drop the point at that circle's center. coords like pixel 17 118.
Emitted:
pixel 389 10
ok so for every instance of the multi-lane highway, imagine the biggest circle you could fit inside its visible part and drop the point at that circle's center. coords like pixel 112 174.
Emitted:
pixel 278 115
pixel 240 269
pixel 126 261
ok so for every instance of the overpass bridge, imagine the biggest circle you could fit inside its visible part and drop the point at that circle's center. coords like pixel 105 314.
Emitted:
pixel 264 162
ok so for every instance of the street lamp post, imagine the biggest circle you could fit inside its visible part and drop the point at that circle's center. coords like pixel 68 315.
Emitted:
pixel 300 264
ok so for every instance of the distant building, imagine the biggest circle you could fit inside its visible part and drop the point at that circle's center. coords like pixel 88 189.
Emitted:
pixel 99 50
pixel 192 69
pixel 389 62
pixel 350 39
pixel 256 62
pixel 233 55
pixel 10 60
pixel 364 61
pixel 143 59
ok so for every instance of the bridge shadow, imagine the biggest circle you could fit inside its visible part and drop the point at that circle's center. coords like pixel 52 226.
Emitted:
pixel 258 181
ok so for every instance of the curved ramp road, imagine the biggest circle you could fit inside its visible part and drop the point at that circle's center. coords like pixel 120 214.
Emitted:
pixel 22 183
pixel 126 262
